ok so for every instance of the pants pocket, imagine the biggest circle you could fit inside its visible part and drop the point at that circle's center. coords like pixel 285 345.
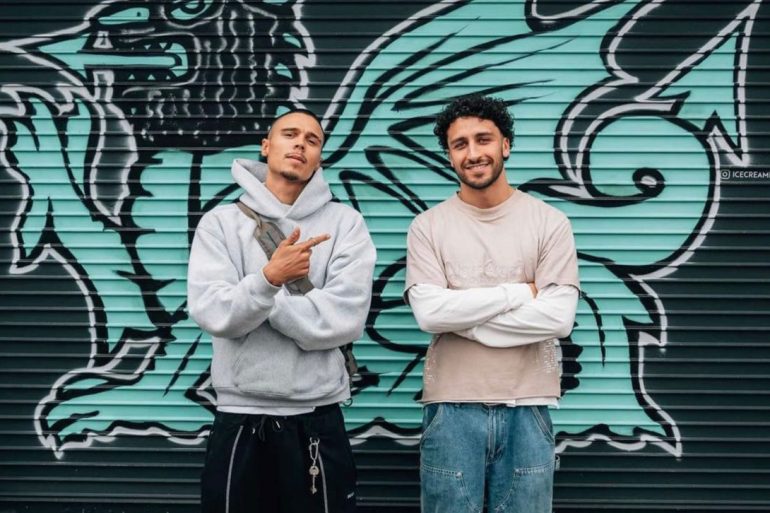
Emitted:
pixel 336 480
pixel 532 490
pixel 431 417
pixel 543 421
pixel 218 483
pixel 443 490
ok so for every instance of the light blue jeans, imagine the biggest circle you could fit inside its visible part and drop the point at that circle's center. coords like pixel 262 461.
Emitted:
pixel 476 457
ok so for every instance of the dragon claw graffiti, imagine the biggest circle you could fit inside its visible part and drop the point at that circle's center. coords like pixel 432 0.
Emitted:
pixel 146 105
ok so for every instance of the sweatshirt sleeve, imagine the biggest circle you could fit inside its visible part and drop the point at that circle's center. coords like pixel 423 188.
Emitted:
pixel 558 259
pixel 550 315
pixel 423 262
pixel 335 314
pixel 219 301
pixel 441 310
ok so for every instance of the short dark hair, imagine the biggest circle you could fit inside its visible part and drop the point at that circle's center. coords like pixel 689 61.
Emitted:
pixel 484 107
pixel 301 111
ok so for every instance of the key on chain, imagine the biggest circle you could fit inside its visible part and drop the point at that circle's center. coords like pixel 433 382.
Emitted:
pixel 313 470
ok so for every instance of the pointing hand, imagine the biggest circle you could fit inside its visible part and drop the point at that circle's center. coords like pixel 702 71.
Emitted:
pixel 291 260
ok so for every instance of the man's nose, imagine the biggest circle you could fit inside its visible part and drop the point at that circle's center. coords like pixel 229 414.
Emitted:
pixel 473 151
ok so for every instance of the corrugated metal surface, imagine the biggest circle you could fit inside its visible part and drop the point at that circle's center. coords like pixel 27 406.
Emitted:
pixel 645 121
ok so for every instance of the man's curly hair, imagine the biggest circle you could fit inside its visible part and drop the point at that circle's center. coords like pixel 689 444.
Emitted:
pixel 484 107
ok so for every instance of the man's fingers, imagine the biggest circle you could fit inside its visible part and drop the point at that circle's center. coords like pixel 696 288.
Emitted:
pixel 320 238
pixel 315 241
pixel 292 238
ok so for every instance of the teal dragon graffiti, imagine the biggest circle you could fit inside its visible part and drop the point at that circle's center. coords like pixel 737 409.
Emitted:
pixel 132 136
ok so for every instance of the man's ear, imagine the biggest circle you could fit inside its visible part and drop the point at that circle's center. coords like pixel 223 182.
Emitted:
pixel 265 147
pixel 506 148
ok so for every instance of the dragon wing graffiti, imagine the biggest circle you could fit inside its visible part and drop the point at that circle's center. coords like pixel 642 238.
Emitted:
pixel 611 193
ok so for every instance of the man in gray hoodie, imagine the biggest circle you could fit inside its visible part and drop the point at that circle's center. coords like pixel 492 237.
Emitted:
pixel 278 443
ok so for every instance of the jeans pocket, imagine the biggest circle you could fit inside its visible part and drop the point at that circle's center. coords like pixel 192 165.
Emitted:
pixel 444 490
pixel 543 421
pixel 431 419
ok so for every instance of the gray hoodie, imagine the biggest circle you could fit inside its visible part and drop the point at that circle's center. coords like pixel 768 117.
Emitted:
pixel 272 349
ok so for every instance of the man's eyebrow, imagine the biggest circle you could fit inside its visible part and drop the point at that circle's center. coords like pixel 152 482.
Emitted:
pixel 316 135
pixel 295 129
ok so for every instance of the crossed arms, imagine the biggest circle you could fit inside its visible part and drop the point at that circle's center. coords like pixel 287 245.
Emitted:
pixel 229 306
pixel 506 315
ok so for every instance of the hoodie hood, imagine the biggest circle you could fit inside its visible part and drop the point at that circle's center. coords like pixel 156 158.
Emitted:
pixel 251 175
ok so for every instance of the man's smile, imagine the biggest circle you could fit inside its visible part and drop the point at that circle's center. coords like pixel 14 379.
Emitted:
pixel 477 166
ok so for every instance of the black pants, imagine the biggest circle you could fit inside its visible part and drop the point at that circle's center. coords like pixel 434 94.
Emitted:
pixel 262 464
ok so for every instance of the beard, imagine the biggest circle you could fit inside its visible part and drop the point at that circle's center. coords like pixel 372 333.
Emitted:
pixel 483 183
pixel 289 176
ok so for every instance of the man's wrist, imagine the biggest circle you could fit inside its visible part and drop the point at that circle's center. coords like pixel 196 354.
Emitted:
pixel 270 277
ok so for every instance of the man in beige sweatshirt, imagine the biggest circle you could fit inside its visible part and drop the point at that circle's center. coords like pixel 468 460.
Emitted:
pixel 492 273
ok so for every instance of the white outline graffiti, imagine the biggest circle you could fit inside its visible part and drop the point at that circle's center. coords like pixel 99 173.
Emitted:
pixel 98 99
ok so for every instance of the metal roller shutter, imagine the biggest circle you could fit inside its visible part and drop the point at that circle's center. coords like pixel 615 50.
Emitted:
pixel 646 121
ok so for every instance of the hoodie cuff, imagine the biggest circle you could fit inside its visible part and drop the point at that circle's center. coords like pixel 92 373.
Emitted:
pixel 261 289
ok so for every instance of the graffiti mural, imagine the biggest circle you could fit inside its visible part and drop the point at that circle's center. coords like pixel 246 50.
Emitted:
pixel 596 101
pixel 140 118
pixel 118 133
